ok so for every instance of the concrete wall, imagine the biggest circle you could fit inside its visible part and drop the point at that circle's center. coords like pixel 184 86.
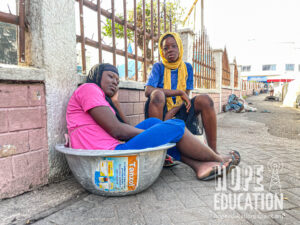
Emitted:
pixel 51 61
pixel 187 37
pixel 58 50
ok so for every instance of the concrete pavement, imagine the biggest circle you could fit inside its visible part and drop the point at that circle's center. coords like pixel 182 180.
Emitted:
pixel 177 197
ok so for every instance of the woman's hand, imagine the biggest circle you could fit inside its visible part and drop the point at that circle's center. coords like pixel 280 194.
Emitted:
pixel 114 98
pixel 187 100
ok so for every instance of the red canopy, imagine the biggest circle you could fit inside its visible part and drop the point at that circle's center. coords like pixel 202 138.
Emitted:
pixel 279 80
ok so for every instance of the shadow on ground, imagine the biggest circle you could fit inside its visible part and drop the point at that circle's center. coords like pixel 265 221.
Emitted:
pixel 281 121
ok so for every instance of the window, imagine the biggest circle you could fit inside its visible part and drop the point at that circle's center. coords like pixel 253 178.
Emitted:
pixel 289 67
pixel 8 44
pixel 12 32
pixel 269 67
pixel 246 68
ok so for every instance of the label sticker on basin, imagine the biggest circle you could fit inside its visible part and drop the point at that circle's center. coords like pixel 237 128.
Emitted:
pixel 117 173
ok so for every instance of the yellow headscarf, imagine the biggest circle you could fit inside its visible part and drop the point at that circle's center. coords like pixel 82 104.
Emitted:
pixel 182 70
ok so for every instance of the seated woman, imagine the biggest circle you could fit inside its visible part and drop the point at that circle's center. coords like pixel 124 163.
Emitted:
pixel 168 88
pixel 95 121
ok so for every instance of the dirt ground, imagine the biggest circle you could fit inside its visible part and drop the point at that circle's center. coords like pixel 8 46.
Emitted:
pixel 281 121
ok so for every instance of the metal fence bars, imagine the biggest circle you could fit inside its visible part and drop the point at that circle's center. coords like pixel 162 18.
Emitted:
pixel 203 63
pixel 236 75
pixel 142 33
pixel 18 20
pixel 250 85
pixel 225 69
pixel 244 85
pixel 254 85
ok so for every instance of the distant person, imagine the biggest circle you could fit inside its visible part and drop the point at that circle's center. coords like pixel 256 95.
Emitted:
pixel 238 105
pixel 265 89
pixel 271 89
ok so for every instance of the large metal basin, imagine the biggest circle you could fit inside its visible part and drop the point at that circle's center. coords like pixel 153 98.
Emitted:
pixel 115 173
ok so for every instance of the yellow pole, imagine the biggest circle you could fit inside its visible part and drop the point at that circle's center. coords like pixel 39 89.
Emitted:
pixel 202 15
pixel 195 17
pixel 193 6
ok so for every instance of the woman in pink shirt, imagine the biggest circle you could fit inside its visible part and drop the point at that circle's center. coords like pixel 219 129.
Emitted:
pixel 95 121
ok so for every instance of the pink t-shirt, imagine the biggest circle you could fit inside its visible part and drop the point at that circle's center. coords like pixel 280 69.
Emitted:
pixel 83 130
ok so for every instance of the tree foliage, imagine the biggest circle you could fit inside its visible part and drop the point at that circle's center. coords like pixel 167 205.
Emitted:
pixel 173 13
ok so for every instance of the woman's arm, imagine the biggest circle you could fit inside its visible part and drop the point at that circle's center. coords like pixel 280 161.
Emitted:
pixel 115 100
pixel 109 122
pixel 167 92
pixel 171 93
pixel 155 78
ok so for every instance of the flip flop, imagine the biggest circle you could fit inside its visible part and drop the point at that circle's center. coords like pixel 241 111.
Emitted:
pixel 169 161
pixel 214 173
pixel 234 161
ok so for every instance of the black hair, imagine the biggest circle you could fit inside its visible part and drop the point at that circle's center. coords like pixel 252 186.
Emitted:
pixel 95 74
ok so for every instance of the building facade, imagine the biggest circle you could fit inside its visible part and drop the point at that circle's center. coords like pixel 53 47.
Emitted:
pixel 272 62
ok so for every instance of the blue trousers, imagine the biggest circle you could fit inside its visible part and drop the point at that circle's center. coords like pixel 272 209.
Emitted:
pixel 156 133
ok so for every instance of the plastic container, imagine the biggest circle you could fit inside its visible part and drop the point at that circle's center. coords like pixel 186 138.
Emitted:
pixel 115 173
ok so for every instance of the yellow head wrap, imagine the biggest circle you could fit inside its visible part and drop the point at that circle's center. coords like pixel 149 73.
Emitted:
pixel 182 70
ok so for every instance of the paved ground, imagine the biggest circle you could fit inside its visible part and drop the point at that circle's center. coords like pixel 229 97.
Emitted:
pixel 177 197
pixel 281 121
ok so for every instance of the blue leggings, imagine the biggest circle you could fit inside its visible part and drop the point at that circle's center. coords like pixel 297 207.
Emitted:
pixel 156 133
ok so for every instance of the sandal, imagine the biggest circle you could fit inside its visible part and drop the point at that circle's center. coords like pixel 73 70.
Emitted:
pixel 215 172
pixel 169 161
pixel 235 161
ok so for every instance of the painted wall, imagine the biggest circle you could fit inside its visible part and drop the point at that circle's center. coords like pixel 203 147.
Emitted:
pixel 23 138
pixel 132 104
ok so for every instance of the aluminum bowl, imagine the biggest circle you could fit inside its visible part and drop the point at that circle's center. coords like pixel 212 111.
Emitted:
pixel 115 173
